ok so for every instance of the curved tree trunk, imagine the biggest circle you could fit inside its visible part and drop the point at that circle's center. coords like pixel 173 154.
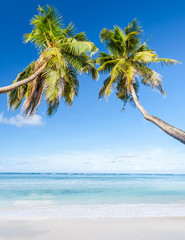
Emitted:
pixel 21 83
pixel 170 130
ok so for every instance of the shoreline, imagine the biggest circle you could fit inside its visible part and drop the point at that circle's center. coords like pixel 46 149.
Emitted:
pixel 44 210
pixel 94 228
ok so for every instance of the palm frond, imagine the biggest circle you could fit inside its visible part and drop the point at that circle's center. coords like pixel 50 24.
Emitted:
pixel 107 37
pixel 78 47
pixel 47 26
pixel 123 94
pixel 119 35
pixel 69 31
pixel 150 77
pixel 166 61
pixel 16 96
pixel 133 27
pixel 115 73
pixel 145 56
pixel 107 66
pixel 102 91
pixel 133 36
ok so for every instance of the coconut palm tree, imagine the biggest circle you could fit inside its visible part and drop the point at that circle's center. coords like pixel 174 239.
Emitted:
pixel 63 54
pixel 127 63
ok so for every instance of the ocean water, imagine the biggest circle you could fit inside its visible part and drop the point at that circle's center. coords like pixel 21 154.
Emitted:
pixel 91 195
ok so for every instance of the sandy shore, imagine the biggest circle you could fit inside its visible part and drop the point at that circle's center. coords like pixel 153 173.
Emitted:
pixel 94 229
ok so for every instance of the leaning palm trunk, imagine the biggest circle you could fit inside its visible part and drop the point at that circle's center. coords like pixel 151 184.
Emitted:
pixel 172 131
pixel 128 62
pixel 13 86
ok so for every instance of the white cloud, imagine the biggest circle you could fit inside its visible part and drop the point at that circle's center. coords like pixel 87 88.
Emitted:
pixel 148 161
pixel 20 121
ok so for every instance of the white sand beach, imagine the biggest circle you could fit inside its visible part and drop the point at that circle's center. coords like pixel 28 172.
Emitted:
pixel 93 229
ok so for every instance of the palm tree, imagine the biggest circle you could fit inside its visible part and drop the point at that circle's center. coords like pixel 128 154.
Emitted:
pixel 63 54
pixel 128 62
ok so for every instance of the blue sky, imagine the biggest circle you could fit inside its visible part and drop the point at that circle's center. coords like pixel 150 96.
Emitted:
pixel 92 135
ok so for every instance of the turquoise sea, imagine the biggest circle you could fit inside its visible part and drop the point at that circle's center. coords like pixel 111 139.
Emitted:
pixel 100 195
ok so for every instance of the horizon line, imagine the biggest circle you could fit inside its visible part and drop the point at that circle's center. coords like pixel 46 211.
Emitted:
pixel 108 173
